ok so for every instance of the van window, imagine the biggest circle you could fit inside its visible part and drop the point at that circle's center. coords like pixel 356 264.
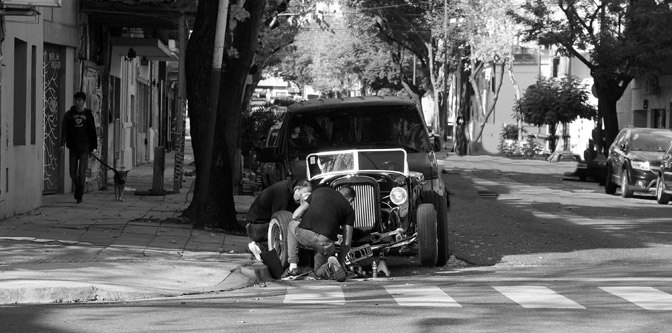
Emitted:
pixel 364 128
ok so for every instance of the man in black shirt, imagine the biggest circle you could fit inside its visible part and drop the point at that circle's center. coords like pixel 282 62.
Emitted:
pixel 316 225
pixel 79 135
pixel 283 195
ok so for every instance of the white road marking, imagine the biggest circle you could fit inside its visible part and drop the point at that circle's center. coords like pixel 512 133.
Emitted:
pixel 537 297
pixel 410 295
pixel 645 297
pixel 317 294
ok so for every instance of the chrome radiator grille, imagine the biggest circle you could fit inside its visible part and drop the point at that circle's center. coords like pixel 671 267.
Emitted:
pixel 366 205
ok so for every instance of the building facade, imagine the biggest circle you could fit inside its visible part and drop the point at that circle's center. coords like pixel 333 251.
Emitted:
pixel 126 64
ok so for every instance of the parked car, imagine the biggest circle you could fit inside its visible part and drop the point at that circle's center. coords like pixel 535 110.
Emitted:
pixel 381 147
pixel 634 160
pixel 593 168
pixel 664 181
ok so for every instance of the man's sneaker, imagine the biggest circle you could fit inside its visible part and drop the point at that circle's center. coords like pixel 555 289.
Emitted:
pixel 337 272
pixel 256 251
pixel 292 274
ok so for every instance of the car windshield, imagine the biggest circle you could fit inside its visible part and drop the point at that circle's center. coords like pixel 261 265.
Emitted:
pixel 359 128
pixel 650 141
pixel 355 160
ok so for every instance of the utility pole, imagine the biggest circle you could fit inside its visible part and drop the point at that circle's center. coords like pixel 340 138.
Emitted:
pixel 215 77
pixel 443 117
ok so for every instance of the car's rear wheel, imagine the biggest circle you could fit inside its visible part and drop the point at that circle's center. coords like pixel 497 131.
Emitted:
pixel 277 235
pixel 626 192
pixel 609 186
pixel 427 235
pixel 661 197
pixel 441 207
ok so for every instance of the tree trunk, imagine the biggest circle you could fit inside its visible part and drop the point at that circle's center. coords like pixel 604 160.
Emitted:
pixel 609 90
pixel 552 137
pixel 606 108
pixel 415 93
pixel 220 203
pixel 516 96
pixel 461 139
pixel 236 69
pixel 199 54
pixel 500 80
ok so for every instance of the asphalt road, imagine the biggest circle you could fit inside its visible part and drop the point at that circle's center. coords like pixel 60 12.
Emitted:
pixel 534 251
pixel 505 218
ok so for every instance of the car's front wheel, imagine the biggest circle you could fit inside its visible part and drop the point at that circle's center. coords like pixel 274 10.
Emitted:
pixel 609 186
pixel 661 197
pixel 427 235
pixel 626 192
pixel 277 235
pixel 441 206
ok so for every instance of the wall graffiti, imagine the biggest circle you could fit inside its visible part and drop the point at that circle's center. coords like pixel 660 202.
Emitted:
pixel 52 71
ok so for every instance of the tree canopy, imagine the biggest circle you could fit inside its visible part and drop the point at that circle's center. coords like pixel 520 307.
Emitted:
pixel 615 39
pixel 552 101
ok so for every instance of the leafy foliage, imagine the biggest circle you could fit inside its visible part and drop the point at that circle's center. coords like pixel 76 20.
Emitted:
pixel 509 132
pixel 551 101
pixel 528 148
pixel 615 39
pixel 254 128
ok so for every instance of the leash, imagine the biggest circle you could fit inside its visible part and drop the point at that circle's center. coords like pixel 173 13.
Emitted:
pixel 103 163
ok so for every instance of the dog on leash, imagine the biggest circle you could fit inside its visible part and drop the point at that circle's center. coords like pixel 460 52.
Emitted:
pixel 119 179
pixel 119 184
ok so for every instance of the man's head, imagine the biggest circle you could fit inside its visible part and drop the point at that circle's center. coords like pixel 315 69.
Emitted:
pixel 301 188
pixel 80 99
pixel 347 192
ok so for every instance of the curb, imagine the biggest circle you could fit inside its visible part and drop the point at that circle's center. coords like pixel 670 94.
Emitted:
pixel 60 291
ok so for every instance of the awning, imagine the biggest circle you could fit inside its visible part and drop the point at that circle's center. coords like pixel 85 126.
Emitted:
pixel 150 48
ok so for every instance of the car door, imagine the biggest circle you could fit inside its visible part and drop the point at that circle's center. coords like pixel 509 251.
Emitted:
pixel 617 155
pixel 666 167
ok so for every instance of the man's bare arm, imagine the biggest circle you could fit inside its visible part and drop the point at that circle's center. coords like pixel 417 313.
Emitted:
pixel 300 211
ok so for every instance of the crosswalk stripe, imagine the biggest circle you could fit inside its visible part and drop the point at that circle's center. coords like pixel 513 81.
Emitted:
pixel 645 297
pixel 317 294
pixel 410 295
pixel 527 296
pixel 537 297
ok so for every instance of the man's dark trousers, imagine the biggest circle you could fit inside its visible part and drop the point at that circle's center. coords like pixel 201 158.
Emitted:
pixel 79 162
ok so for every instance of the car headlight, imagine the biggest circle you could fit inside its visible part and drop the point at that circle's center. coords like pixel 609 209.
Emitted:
pixel 641 165
pixel 398 195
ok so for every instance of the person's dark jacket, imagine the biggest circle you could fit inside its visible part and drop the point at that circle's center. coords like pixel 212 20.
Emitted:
pixel 277 197
pixel 70 128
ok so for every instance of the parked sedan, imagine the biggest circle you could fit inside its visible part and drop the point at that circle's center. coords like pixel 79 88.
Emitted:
pixel 634 160
pixel 593 168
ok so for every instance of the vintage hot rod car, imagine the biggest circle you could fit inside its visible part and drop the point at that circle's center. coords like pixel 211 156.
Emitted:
pixel 381 147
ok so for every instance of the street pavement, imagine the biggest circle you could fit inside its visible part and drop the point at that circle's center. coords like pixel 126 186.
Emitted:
pixel 104 250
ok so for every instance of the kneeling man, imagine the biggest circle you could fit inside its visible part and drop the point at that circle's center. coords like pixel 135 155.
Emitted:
pixel 316 225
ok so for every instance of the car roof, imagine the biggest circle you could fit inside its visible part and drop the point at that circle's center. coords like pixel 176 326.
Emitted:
pixel 663 131
pixel 347 102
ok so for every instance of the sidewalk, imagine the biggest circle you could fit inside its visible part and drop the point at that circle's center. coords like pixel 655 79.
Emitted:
pixel 104 250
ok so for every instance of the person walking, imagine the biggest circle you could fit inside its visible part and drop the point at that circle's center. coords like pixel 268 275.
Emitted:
pixel 79 135
pixel 283 195
pixel 316 225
